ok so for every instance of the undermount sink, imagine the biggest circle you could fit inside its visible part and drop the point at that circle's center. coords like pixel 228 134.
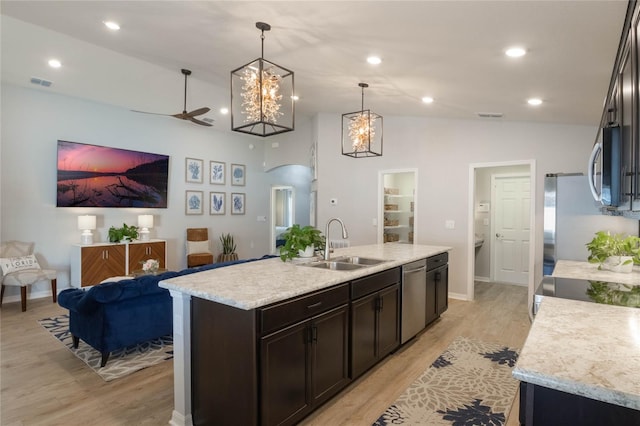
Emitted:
pixel 345 263
pixel 357 260
pixel 334 266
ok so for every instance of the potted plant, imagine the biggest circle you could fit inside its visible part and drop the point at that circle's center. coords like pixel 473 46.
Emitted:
pixel 228 249
pixel 124 234
pixel 301 242
pixel 615 252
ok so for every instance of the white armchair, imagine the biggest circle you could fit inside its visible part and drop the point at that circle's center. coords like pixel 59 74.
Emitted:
pixel 19 267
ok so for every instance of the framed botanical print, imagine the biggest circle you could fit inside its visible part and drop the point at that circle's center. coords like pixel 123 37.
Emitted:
pixel 216 172
pixel 238 174
pixel 193 170
pixel 193 202
pixel 237 203
pixel 216 203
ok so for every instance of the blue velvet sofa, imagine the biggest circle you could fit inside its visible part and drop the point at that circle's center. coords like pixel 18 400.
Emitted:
pixel 114 315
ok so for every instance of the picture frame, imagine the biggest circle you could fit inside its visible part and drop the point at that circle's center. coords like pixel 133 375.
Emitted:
pixel 193 202
pixel 193 170
pixel 217 172
pixel 238 202
pixel 217 204
pixel 238 173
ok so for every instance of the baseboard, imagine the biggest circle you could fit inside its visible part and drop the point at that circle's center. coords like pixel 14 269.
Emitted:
pixel 30 295
pixel 482 279
pixel 458 296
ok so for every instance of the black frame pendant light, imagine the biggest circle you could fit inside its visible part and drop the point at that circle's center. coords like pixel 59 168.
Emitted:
pixel 362 132
pixel 262 102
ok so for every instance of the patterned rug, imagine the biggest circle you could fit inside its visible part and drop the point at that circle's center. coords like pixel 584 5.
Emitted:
pixel 121 362
pixel 469 384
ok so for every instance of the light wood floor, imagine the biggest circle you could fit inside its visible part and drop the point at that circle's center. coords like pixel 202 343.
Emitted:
pixel 42 383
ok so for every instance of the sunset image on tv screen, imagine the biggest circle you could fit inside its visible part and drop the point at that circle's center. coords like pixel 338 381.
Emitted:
pixel 100 176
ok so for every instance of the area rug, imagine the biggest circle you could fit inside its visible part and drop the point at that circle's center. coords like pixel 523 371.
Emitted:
pixel 121 362
pixel 469 384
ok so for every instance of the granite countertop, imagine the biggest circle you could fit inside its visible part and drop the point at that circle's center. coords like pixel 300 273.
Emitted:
pixel 590 271
pixel 586 349
pixel 254 284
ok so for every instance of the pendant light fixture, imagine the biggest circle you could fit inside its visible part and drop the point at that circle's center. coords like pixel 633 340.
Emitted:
pixel 362 132
pixel 262 93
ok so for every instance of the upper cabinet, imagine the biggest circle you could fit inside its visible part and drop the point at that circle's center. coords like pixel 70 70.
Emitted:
pixel 615 160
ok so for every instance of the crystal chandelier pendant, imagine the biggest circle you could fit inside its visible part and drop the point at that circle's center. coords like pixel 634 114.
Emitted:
pixel 262 96
pixel 362 132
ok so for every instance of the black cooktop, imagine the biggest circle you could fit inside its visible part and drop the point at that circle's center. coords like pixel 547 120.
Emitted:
pixel 590 291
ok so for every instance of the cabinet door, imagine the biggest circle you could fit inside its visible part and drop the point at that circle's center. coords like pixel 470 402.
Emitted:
pixel 627 100
pixel 101 262
pixel 329 354
pixel 388 320
pixel 432 309
pixel 441 277
pixel 363 334
pixel 285 374
pixel 139 252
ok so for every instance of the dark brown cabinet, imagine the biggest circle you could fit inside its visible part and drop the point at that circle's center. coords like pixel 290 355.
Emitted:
pixel 437 286
pixel 303 365
pixel 375 319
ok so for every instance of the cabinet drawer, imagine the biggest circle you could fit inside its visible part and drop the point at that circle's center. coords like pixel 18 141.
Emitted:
pixel 363 286
pixel 290 311
pixel 437 261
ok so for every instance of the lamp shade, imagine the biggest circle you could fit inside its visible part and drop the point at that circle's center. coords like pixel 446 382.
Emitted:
pixel 86 222
pixel 145 221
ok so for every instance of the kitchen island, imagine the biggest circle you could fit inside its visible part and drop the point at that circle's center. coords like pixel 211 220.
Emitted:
pixel 227 304
pixel 580 365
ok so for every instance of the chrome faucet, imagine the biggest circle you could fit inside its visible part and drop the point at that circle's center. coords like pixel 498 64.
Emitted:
pixel 345 235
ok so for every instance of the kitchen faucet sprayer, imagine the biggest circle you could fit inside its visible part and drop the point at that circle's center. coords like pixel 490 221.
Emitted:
pixel 345 235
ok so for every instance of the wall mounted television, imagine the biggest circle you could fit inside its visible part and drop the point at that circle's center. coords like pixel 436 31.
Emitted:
pixel 100 176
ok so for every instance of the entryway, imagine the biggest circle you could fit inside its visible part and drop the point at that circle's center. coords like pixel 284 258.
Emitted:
pixel 501 223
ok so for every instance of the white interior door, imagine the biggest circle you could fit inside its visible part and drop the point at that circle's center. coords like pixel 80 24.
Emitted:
pixel 511 228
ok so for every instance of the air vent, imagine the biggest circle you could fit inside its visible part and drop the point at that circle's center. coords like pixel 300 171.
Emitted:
pixel 41 81
pixel 490 114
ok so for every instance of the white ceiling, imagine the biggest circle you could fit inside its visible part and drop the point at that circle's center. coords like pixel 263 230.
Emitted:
pixel 451 50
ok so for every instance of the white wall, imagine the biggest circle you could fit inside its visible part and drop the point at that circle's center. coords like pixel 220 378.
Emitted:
pixel 32 122
pixel 442 151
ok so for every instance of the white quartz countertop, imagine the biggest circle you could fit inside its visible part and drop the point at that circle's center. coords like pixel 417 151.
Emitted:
pixel 586 349
pixel 254 284
pixel 590 271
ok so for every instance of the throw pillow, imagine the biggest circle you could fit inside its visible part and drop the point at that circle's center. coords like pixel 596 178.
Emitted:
pixel 13 264
pixel 197 247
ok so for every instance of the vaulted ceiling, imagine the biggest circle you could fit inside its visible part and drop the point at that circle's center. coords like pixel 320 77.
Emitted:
pixel 452 51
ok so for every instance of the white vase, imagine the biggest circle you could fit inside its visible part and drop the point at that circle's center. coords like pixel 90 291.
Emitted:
pixel 618 264
pixel 308 252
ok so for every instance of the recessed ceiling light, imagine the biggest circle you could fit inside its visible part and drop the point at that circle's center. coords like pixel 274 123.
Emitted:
pixel 224 110
pixel 515 52
pixel 534 101
pixel 427 99
pixel 295 97
pixel 374 60
pixel 54 63
pixel 113 26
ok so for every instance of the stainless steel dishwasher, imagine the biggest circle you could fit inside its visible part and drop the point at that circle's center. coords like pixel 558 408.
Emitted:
pixel 414 298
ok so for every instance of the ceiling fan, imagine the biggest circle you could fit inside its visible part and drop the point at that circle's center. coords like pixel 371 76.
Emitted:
pixel 184 115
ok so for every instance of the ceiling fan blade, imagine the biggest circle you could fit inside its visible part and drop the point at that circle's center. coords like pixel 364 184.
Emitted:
pixel 198 111
pixel 152 113
pixel 202 123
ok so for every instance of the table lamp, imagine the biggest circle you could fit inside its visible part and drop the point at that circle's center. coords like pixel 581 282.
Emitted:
pixel 145 221
pixel 86 224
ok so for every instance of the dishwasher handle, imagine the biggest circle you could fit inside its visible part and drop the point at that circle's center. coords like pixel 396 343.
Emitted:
pixel 413 271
